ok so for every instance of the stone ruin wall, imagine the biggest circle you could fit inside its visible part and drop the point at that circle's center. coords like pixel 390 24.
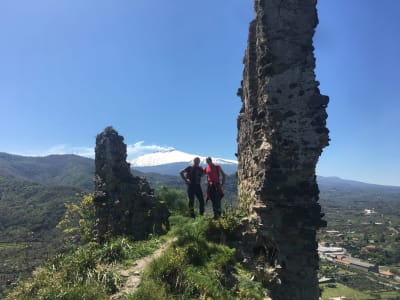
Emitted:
pixel 281 134
pixel 125 204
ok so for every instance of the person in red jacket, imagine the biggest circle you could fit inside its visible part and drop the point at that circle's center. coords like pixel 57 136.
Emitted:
pixel 214 185
pixel 192 177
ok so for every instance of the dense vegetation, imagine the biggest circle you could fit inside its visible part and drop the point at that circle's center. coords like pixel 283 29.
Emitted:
pixel 28 219
pixel 192 267
pixel 31 207
pixel 33 191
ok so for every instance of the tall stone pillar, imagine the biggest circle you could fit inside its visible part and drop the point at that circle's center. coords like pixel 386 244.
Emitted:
pixel 281 134
pixel 125 204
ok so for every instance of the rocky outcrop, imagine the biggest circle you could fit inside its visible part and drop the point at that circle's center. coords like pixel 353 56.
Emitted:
pixel 281 134
pixel 125 205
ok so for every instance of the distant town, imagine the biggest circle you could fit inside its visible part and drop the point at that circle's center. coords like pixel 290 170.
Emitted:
pixel 359 248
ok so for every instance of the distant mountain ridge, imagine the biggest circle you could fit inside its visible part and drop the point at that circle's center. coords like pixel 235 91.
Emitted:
pixel 78 171
pixel 65 170
pixel 334 181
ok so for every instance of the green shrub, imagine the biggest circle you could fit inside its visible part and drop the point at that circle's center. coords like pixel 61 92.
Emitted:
pixel 175 199
pixel 248 288
pixel 226 228
pixel 150 290
pixel 48 285
pixel 115 250
pixel 78 221
pixel 192 230
pixel 74 267
pixel 88 291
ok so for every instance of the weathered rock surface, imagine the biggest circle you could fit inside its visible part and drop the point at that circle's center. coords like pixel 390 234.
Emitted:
pixel 125 205
pixel 281 134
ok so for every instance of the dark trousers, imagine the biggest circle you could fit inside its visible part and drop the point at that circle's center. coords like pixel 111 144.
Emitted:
pixel 215 199
pixel 195 190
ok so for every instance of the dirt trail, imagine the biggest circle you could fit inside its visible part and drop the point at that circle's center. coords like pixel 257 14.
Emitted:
pixel 133 274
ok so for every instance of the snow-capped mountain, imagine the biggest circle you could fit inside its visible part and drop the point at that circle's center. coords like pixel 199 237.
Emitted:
pixel 170 162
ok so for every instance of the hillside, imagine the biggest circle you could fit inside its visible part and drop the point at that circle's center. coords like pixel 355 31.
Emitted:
pixel 66 170
pixel 29 214
pixel 31 207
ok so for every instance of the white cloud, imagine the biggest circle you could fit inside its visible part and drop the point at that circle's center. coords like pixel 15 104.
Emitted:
pixel 139 148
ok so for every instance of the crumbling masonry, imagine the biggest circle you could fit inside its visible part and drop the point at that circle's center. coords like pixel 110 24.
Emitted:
pixel 282 131
pixel 125 204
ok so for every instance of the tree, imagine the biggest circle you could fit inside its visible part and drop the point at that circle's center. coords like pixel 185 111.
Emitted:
pixel 78 221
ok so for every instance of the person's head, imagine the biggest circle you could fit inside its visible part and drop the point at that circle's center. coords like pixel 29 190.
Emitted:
pixel 209 160
pixel 196 161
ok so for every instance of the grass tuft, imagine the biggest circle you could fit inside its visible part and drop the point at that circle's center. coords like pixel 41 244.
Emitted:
pixel 85 273
pixel 194 267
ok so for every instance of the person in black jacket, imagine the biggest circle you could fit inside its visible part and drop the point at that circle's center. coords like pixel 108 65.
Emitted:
pixel 192 177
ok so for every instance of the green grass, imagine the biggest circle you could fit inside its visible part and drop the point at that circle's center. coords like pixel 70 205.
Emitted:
pixel 85 273
pixel 193 267
pixel 389 295
pixel 4 246
pixel 342 290
pixel 343 272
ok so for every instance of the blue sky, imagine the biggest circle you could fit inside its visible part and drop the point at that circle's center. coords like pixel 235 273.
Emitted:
pixel 165 74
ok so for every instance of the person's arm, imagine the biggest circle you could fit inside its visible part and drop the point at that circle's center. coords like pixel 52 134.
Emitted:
pixel 223 175
pixel 182 173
